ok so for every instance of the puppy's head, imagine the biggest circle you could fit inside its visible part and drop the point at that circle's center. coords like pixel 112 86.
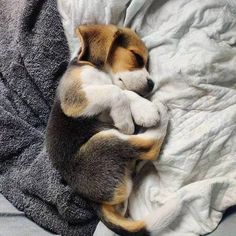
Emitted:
pixel 120 52
pixel 128 60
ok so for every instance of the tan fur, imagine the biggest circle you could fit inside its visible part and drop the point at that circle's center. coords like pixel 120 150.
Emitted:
pixel 73 100
pixel 96 42
pixel 153 152
pixel 133 43
pixel 149 148
pixel 127 62
pixel 115 218
pixel 120 195
pixel 93 141
pixel 121 192
pixel 142 143
pixel 122 57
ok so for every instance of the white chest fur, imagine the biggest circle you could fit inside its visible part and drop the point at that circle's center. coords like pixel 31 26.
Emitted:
pixel 93 76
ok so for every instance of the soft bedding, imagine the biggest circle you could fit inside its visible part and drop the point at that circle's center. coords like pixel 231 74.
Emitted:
pixel 192 45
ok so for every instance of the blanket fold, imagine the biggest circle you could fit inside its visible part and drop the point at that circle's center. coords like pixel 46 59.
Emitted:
pixel 33 55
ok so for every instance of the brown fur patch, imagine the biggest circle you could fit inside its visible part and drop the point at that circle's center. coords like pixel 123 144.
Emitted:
pixel 132 42
pixel 149 148
pixel 100 42
pixel 117 219
pixel 96 42
pixel 127 52
pixel 153 152
pixel 122 60
pixel 96 140
pixel 142 143
pixel 72 97
pixel 74 103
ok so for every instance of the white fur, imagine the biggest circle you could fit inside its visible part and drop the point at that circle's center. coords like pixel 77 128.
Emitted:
pixel 131 80
pixel 102 95
pixel 123 105
pixel 159 131
pixel 109 97
pixel 144 112
pixel 155 133
pixel 93 76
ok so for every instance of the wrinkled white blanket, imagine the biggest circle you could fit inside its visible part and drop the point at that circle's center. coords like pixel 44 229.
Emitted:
pixel 192 46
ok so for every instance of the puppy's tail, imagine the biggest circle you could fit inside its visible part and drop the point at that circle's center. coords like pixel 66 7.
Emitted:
pixel 153 223
pixel 115 221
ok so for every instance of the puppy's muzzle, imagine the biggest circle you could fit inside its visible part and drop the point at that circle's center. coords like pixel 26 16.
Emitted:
pixel 147 88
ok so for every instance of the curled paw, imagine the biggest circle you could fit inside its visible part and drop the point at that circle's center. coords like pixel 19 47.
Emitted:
pixel 145 113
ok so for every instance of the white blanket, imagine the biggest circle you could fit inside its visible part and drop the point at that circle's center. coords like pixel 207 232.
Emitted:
pixel 192 45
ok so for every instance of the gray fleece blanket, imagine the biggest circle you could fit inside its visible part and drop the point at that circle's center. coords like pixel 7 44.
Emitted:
pixel 33 55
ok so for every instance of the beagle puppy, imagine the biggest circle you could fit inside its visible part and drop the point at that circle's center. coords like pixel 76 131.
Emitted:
pixel 90 133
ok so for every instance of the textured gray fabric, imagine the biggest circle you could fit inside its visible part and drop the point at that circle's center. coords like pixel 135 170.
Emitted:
pixel 14 223
pixel 33 55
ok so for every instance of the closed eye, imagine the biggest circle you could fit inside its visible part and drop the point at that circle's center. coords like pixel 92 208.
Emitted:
pixel 139 59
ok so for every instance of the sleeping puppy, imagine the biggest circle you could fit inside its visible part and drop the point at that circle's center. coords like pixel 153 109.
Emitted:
pixel 90 131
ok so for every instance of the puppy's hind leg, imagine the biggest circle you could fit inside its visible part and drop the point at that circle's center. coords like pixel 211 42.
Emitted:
pixel 148 143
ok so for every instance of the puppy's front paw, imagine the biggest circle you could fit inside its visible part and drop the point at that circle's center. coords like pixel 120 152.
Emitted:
pixel 125 127
pixel 121 115
pixel 144 113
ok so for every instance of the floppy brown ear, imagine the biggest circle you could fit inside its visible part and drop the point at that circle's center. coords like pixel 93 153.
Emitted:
pixel 96 42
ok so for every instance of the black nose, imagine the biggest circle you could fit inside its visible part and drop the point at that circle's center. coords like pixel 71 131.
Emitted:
pixel 150 84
